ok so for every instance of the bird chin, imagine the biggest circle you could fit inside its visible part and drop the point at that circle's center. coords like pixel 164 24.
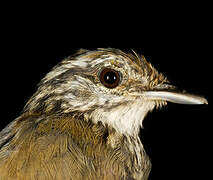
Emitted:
pixel 125 119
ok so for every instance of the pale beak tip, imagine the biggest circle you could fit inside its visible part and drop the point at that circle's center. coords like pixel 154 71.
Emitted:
pixel 205 101
pixel 202 100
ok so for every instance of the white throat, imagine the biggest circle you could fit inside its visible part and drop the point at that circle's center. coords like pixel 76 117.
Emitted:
pixel 125 119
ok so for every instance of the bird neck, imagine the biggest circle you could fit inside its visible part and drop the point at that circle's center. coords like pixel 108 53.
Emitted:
pixel 99 142
pixel 75 126
pixel 95 136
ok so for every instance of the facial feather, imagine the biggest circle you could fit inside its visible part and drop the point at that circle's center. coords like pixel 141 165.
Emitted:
pixel 74 85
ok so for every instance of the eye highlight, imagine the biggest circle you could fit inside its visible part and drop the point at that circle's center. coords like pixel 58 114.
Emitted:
pixel 109 77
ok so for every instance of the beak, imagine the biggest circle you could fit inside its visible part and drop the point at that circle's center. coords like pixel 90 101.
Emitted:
pixel 172 94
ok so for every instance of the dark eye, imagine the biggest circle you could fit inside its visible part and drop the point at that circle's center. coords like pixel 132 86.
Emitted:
pixel 109 78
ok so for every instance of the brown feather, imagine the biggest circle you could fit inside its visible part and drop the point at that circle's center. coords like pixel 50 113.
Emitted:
pixel 69 148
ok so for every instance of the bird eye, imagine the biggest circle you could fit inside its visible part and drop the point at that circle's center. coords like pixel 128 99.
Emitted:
pixel 109 78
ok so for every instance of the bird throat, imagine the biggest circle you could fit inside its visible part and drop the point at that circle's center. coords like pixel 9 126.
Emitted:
pixel 126 119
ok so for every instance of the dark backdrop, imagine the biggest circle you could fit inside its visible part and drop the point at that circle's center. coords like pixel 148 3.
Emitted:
pixel 177 138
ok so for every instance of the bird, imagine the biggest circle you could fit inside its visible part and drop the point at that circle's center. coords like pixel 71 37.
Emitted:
pixel 84 119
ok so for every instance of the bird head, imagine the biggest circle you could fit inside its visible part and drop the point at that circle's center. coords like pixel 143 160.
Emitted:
pixel 108 86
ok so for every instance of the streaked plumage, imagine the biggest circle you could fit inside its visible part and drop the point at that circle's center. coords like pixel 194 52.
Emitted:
pixel 74 127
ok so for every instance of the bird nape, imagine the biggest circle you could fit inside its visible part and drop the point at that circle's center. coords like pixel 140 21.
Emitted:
pixel 84 119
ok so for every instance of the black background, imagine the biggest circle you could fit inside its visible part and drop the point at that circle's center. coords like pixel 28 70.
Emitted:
pixel 178 138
